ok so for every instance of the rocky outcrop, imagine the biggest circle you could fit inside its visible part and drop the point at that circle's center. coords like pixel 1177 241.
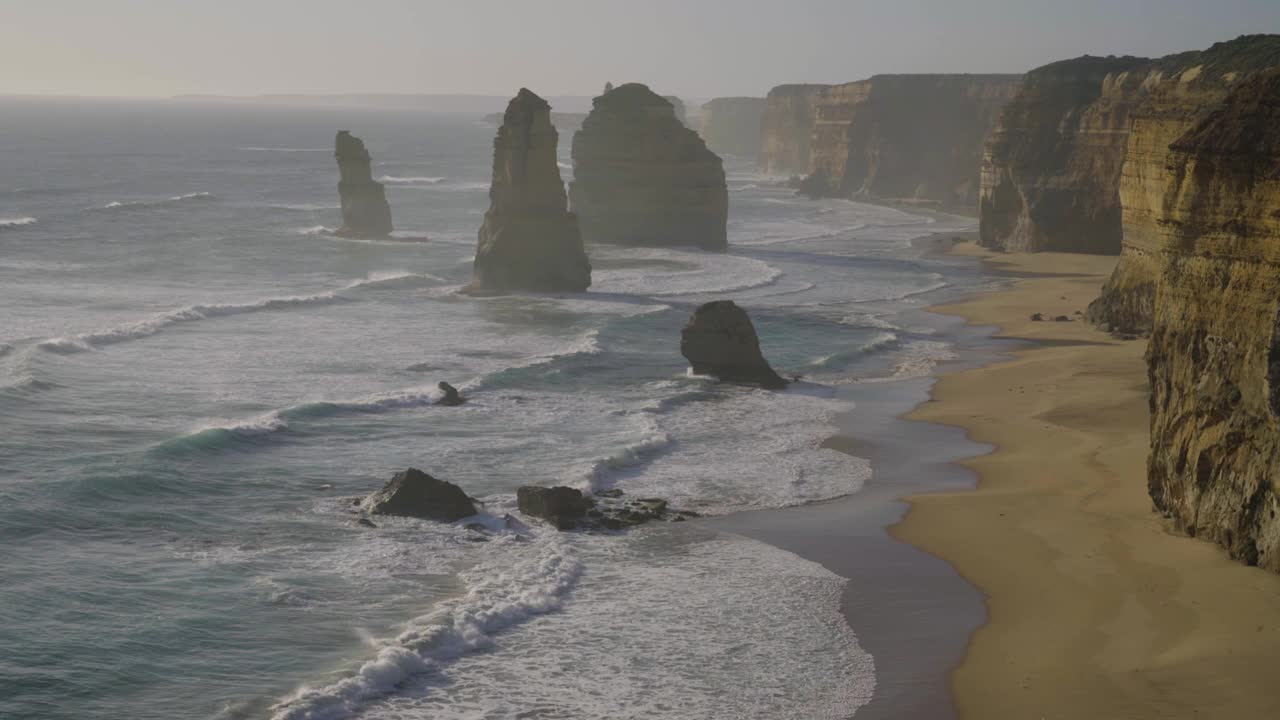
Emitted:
pixel 365 212
pixel 1214 355
pixel 786 129
pixel 906 137
pixel 719 340
pixel 643 178
pixel 731 125
pixel 529 240
pixel 413 493
pixel 560 506
pixel 1051 169
pixel 1179 91
pixel 450 396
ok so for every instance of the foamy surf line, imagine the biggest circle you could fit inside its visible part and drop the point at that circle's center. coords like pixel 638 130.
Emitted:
pixel 141 204
pixel 7 223
pixel 87 342
pixel 521 581
pixel 411 180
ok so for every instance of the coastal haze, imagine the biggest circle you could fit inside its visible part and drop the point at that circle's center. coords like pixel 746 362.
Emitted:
pixel 585 360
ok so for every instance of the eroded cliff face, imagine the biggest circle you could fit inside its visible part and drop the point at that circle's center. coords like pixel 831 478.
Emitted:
pixel 786 128
pixel 529 239
pixel 1214 356
pixel 731 125
pixel 640 177
pixel 1180 90
pixel 1051 168
pixel 906 137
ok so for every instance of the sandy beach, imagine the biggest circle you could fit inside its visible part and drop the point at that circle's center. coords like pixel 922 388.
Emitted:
pixel 1095 609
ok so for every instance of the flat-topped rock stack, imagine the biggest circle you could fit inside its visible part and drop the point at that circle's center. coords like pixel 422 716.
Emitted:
pixel 529 240
pixel 642 178
pixel 365 212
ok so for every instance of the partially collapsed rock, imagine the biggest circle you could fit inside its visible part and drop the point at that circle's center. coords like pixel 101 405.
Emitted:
pixel 365 212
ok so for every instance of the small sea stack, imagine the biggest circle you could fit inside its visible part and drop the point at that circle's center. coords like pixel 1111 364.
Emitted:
pixel 529 240
pixel 413 493
pixel 719 340
pixel 365 212
pixel 642 178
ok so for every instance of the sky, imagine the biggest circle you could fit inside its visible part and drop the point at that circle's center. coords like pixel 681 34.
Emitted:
pixel 692 48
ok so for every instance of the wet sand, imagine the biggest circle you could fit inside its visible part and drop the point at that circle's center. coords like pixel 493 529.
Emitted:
pixel 1095 608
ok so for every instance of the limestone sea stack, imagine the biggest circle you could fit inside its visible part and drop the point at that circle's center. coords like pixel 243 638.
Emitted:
pixel 642 178
pixel 719 340
pixel 365 212
pixel 731 125
pixel 1214 356
pixel 529 240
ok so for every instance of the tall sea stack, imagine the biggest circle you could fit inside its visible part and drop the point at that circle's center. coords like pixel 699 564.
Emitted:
pixel 365 212
pixel 529 240
pixel 1214 357
pixel 642 178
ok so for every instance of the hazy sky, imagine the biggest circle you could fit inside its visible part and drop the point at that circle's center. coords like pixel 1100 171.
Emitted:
pixel 695 48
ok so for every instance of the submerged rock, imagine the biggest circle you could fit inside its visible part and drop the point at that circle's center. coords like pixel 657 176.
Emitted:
pixel 529 240
pixel 719 340
pixel 413 493
pixel 365 212
pixel 452 397
pixel 642 178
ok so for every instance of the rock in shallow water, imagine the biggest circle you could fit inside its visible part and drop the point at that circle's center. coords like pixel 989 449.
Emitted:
pixel 413 493
pixel 365 212
pixel 719 340
pixel 561 506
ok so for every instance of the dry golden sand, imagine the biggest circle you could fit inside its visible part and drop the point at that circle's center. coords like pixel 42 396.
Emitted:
pixel 1096 609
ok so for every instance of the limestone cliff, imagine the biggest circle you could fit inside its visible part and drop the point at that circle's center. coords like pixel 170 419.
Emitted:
pixel 1051 169
pixel 1214 356
pixel 1179 91
pixel 906 137
pixel 642 178
pixel 731 125
pixel 365 212
pixel 786 129
pixel 529 239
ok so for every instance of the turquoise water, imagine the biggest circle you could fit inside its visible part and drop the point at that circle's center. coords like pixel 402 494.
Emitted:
pixel 195 378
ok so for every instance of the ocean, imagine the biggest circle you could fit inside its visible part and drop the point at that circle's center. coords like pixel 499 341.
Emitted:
pixel 196 378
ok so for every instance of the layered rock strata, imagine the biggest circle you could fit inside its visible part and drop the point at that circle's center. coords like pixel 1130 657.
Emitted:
pixel 365 212
pixel 1214 355
pixel 731 125
pixel 1179 91
pixel 1051 169
pixel 786 129
pixel 643 178
pixel 906 137
pixel 720 340
pixel 529 240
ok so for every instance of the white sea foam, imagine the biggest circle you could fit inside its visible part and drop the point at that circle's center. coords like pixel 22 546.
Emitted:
pixel 517 581
pixel 138 204
pixel 285 149
pixel 920 357
pixel 697 273
pixel 411 180
pixel 877 341
pixel 6 223
pixel 315 230
pixel 147 327
pixel 710 626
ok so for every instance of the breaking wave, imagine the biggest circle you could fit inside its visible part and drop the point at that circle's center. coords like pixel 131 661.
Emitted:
pixel 141 204
pixel 410 180
pixel 8 223
pixel 522 581
pixel 147 327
